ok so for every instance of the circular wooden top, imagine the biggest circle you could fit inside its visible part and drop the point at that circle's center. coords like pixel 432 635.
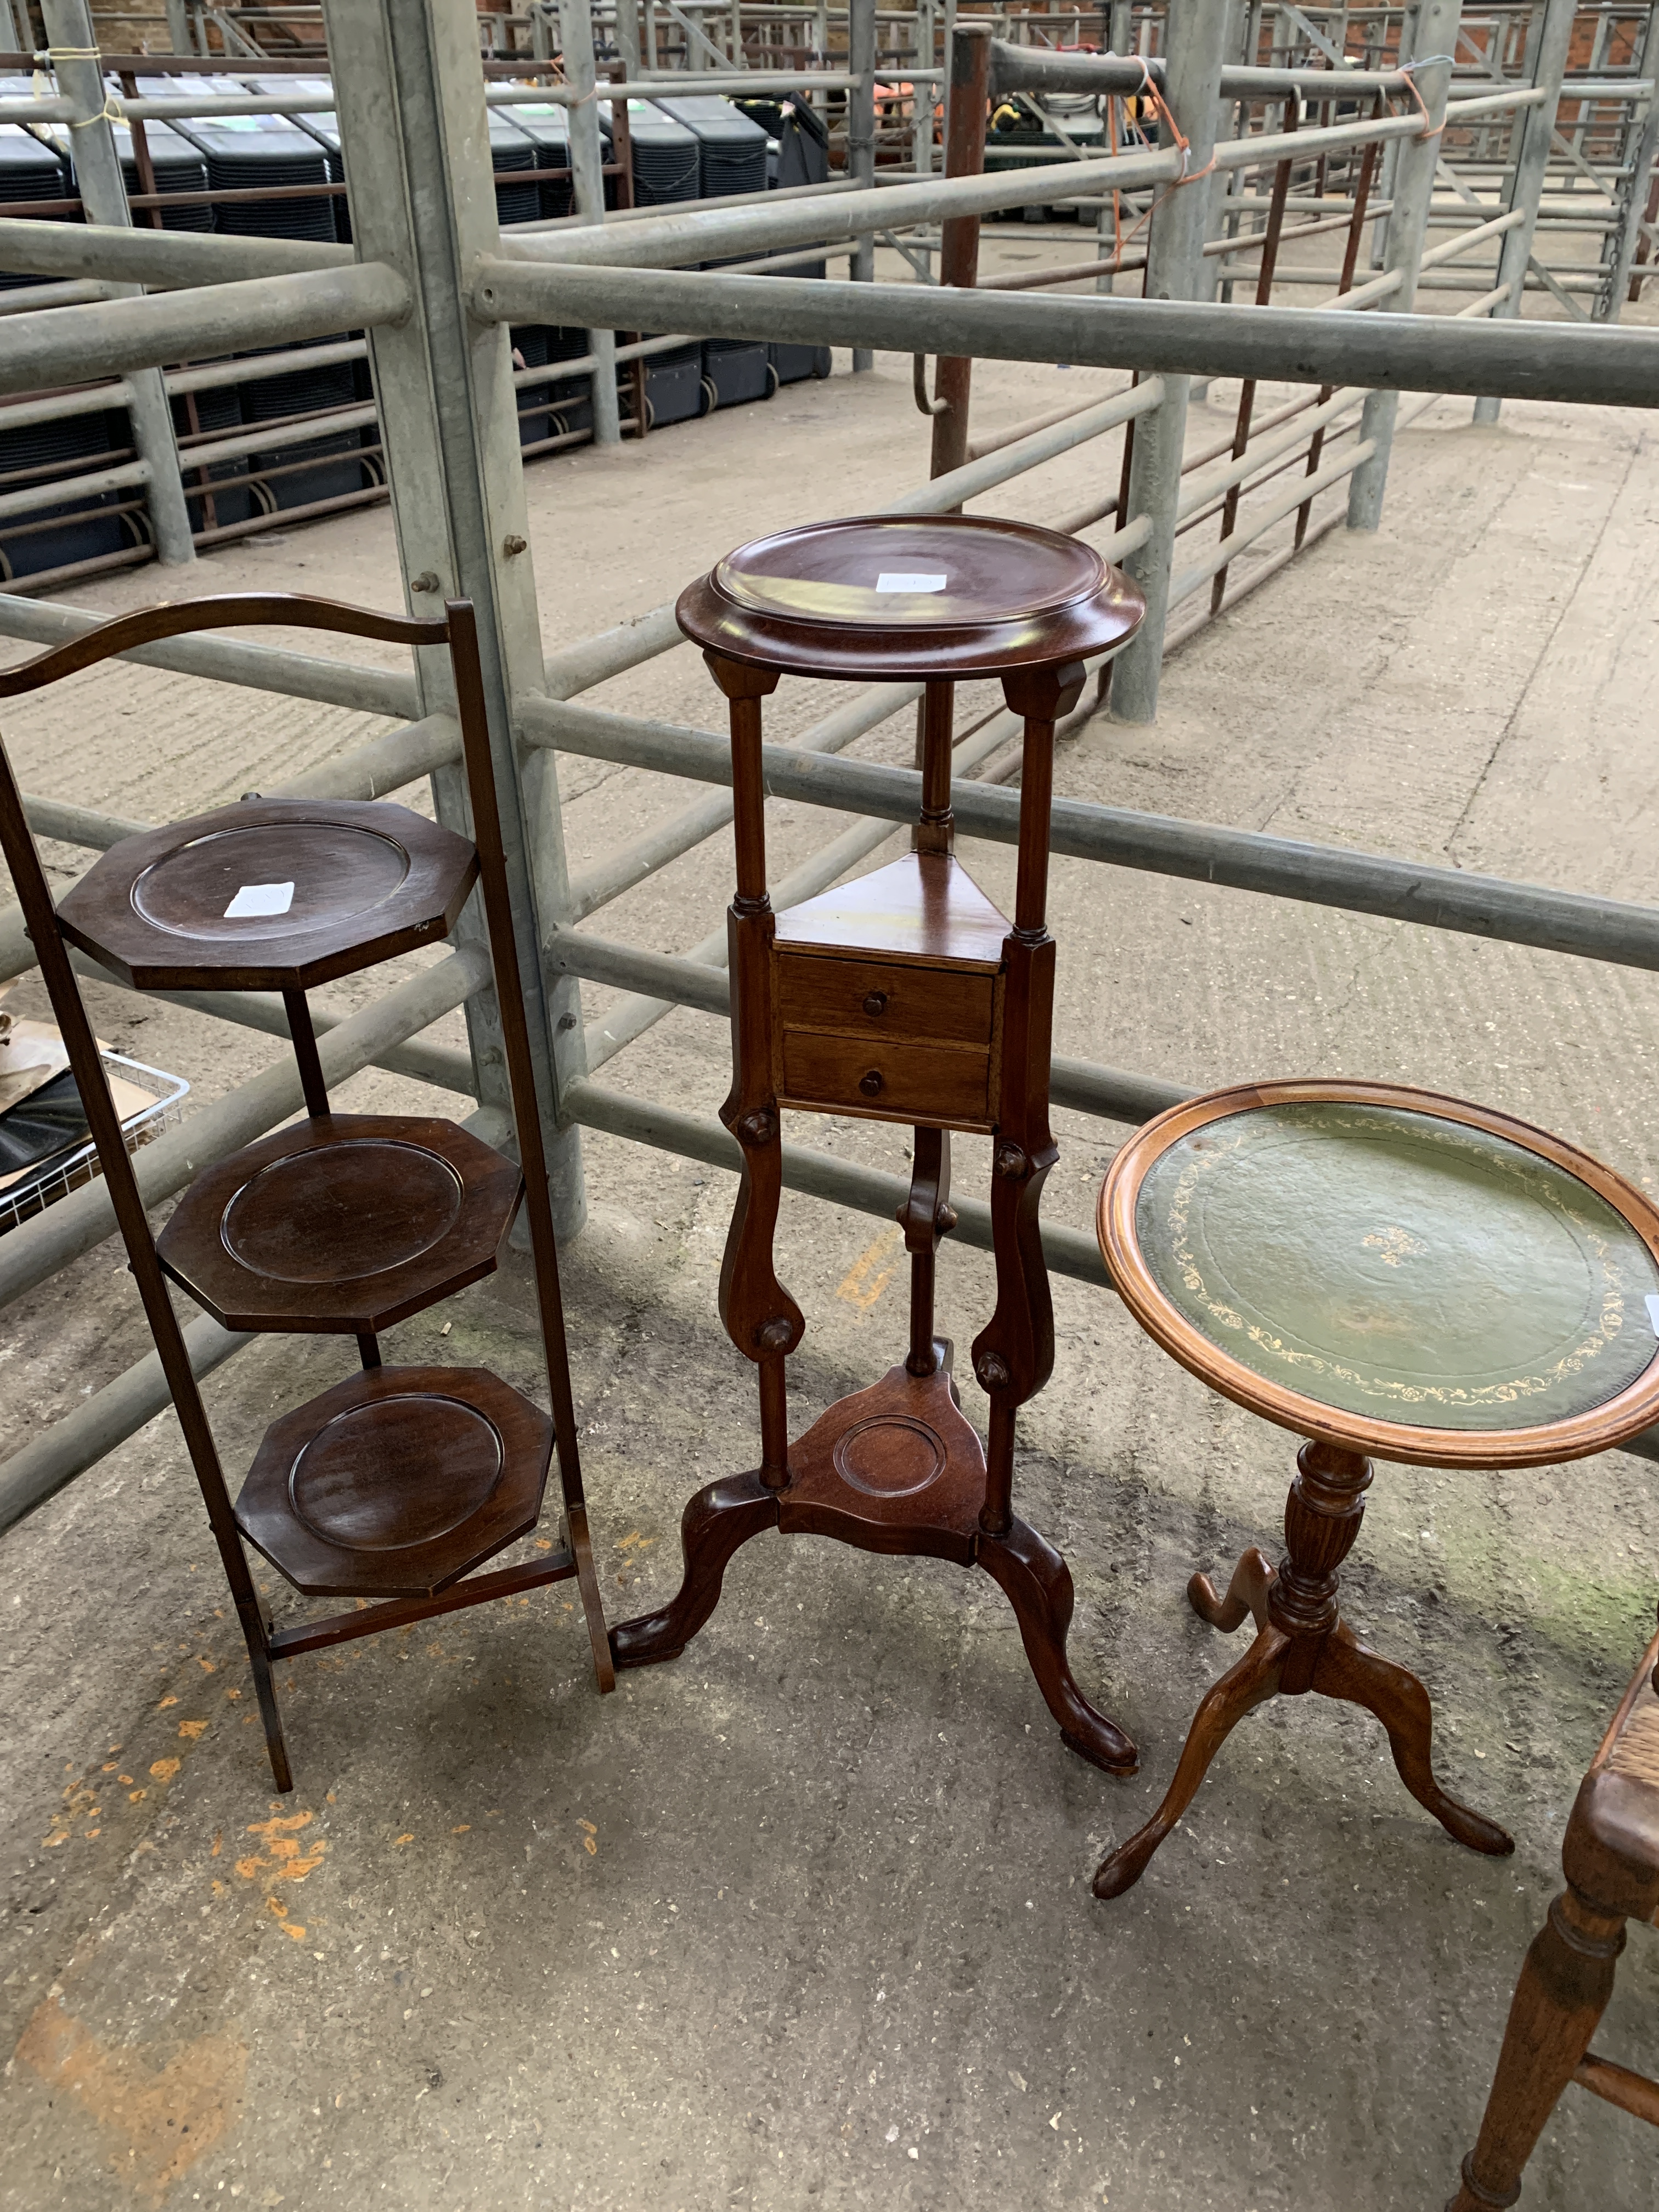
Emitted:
pixel 269 894
pixel 1392 1271
pixel 894 595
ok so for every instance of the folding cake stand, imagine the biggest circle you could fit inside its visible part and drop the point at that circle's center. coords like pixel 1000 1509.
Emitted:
pixel 398 1482
pixel 903 997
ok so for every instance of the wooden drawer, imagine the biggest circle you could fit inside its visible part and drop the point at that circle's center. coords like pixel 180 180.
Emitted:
pixel 887 1077
pixel 885 998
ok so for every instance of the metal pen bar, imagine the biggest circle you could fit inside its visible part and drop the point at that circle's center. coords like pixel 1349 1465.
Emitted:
pixel 1384 352
pixel 1360 883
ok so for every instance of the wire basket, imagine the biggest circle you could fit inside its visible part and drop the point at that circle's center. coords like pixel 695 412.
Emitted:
pixel 44 1184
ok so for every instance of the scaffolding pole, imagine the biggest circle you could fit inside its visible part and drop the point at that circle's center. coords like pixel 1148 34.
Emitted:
pixel 416 144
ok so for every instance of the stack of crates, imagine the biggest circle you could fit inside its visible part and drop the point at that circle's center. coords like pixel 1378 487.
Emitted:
pixel 76 530
pixel 731 158
pixel 556 409
pixel 667 163
pixel 245 152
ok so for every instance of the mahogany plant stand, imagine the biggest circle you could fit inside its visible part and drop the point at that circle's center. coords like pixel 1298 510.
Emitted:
pixel 395 1484
pixel 1382 1270
pixel 904 997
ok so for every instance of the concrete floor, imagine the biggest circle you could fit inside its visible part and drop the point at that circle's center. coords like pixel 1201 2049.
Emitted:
pixel 804 1918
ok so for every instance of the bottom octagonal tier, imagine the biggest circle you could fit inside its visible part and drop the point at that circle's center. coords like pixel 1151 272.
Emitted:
pixel 348 1222
pixel 397 1482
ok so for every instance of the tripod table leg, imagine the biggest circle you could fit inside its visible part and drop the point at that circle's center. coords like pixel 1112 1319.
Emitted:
pixel 1037 1583
pixel 716 1523
pixel 1245 1686
pixel 1349 1670
pixel 1253 1578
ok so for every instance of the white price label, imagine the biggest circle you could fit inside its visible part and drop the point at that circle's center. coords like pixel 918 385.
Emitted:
pixel 910 580
pixel 259 898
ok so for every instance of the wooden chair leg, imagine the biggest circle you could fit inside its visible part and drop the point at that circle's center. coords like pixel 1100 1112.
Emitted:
pixel 1351 1670
pixel 1250 1684
pixel 1561 1995
pixel 1253 1578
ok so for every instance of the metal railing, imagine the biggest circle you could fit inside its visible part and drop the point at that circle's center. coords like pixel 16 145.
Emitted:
pixel 463 477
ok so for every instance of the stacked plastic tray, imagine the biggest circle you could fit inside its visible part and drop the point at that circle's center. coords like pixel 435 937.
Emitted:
pixel 176 167
pixel 667 164
pixel 731 159
pixel 548 410
pixel 75 530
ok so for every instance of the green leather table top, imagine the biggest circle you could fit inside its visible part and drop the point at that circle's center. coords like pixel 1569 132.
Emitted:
pixel 1393 1264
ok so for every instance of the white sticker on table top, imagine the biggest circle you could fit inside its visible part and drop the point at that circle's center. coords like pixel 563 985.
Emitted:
pixel 910 580
pixel 259 898
pixel 1653 1312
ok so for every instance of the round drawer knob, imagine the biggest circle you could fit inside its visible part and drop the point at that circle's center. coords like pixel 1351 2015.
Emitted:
pixel 875 1003
pixel 871 1084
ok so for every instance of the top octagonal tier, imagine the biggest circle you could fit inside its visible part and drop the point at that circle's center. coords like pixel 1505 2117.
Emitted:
pixel 271 894
pixel 935 596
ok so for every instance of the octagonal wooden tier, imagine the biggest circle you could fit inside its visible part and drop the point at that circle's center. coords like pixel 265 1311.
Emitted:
pixel 272 895
pixel 1391 1270
pixel 894 597
pixel 397 1482
pixel 345 1222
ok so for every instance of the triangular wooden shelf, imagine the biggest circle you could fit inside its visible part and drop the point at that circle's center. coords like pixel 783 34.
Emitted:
pixel 923 906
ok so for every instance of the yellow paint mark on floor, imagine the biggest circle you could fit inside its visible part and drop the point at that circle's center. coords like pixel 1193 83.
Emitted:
pixel 157 2121
pixel 190 1730
pixel 867 1278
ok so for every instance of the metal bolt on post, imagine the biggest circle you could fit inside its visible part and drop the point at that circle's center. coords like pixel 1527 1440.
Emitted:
pixel 587 190
pixel 1175 267
pixel 861 137
pixel 1433 28
pixel 414 136
pixel 103 195
pixel 1536 126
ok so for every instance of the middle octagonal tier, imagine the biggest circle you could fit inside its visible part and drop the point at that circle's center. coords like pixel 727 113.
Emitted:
pixel 345 1222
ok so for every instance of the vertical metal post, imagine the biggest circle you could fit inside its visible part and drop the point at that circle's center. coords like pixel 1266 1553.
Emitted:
pixel 1434 32
pixel 541 31
pixel 651 36
pixel 588 192
pixel 103 195
pixel 958 255
pixel 179 31
pixel 1220 188
pixel 922 95
pixel 1198 42
pixel 627 35
pixel 1536 126
pixel 1633 194
pixel 861 137
pixel 415 142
